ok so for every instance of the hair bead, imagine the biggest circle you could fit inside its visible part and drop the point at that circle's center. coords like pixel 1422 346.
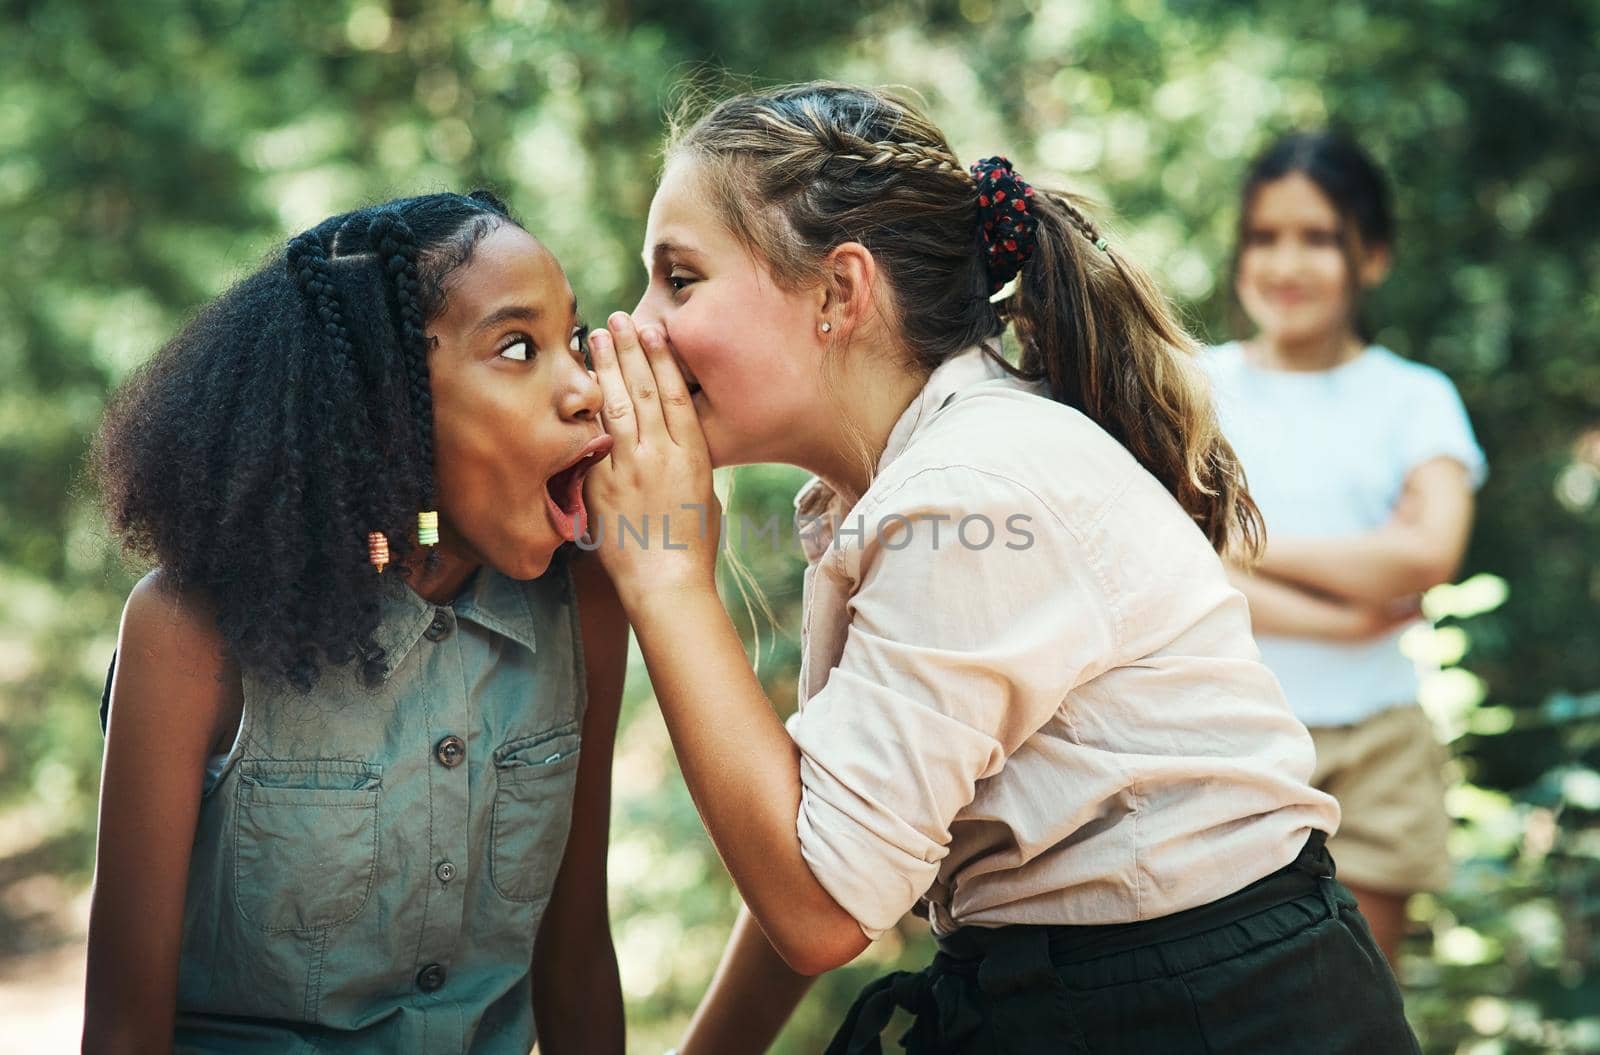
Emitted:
pixel 378 550
pixel 428 527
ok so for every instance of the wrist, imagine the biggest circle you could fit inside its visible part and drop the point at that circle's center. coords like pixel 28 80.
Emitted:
pixel 1360 621
pixel 666 590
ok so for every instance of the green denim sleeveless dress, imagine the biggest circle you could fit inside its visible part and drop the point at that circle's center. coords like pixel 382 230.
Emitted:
pixel 370 866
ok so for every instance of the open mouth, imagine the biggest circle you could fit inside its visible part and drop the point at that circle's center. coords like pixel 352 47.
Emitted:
pixel 564 490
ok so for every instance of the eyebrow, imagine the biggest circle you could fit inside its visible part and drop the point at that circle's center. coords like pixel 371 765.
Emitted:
pixel 519 312
pixel 667 248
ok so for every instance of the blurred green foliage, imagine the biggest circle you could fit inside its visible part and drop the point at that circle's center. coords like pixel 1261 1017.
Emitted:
pixel 151 153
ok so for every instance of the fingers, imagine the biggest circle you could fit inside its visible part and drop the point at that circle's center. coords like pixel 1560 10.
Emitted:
pixel 677 405
pixel 637 376
pixel 617 410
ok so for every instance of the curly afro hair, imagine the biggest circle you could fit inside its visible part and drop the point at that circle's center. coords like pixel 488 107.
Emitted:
pixel 251 456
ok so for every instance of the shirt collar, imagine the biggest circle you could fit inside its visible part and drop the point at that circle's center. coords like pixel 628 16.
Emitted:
pixel 493 601
pixel 816 501
pixel 499 603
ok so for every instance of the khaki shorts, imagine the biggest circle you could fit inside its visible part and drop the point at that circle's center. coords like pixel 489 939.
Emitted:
pixel 1387 773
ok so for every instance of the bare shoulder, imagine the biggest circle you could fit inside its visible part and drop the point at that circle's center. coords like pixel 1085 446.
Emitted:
pixel 172 661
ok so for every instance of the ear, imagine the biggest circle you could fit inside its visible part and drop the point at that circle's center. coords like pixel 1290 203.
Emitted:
pixel 1374 266
pixel 850 280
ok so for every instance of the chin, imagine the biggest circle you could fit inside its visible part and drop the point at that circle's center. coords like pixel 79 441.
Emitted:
pixel 729 450
pixel 1309 331
pixel 530 562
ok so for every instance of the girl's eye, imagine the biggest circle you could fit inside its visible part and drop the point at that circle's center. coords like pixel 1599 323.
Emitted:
pixel 1323 238
pixel 678 281
pixel 579 344
pixel 518 350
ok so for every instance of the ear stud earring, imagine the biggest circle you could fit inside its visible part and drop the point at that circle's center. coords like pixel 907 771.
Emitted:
pixel 827 327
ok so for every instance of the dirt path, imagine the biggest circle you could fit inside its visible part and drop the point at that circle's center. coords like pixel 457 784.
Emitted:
pixel 41 990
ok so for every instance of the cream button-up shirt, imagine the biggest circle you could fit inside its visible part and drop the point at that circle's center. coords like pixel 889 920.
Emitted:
pixel 1028 693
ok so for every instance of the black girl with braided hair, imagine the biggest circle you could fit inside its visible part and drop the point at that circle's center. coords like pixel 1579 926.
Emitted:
pixel 1030 702
pixel 357 770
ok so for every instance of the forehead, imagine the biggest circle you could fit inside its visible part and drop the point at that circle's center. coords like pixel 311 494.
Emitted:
pixel 1292 199
pixel 507 265
pixel 681 214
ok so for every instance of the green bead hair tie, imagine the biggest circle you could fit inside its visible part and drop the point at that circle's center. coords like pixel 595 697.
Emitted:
pixel 428 527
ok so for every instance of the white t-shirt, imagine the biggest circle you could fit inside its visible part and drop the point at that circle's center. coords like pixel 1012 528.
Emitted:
pixel 1327 452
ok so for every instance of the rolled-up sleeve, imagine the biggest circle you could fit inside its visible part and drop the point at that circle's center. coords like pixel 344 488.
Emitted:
pixel 974 611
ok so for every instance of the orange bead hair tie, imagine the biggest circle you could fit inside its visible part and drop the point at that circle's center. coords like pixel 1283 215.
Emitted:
pixel 378 550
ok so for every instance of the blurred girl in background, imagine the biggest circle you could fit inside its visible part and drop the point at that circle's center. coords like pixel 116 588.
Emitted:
pixel 1364 467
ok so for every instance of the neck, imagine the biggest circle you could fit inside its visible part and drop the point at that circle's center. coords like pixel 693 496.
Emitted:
pixel 444 583
pixel 1318 352
pixel 872 390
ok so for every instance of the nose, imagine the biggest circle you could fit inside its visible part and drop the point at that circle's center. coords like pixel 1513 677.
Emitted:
pixel 1281 260
pixel 580 394
pixel 648 311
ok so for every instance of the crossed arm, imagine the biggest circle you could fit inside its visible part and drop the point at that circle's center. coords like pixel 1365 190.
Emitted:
pixel 1352 587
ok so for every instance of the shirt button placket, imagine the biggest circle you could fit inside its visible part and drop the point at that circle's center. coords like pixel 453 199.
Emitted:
pixel 450 715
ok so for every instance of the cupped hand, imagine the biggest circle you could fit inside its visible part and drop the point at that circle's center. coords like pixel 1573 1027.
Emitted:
pixel 654 518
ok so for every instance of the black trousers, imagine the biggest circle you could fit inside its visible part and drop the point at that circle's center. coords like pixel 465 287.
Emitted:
pixel 1286 965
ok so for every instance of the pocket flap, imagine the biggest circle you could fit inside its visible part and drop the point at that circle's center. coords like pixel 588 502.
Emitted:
pixel 314 782
pixel 536 757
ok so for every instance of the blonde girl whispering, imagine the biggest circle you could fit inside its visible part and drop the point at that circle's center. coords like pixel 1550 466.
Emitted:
pixel 1030 706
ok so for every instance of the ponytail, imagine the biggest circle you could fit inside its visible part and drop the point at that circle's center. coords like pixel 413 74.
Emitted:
pixel 1095 329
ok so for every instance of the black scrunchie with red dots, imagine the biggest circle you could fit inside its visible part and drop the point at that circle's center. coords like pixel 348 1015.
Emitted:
pixel 1005 218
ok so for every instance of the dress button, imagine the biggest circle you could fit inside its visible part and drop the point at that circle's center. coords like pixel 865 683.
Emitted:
pixel 446 871
pixel 439 629
pixel 431 978
pixel 450 751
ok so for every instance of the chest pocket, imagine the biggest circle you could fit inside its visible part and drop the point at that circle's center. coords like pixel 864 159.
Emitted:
pixel 535 778
pixel 305 842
